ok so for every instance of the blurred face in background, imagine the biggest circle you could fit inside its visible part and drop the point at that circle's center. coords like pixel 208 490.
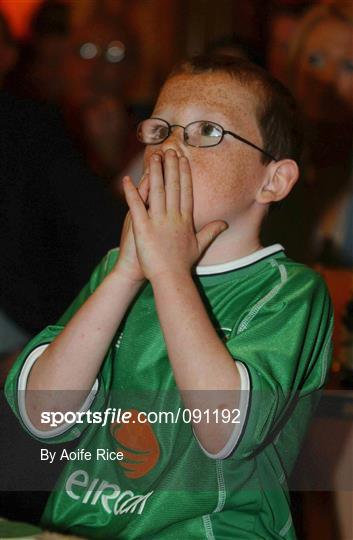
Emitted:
pixel 99 63
pixel 344 84
pixel 326 57
pixel 47 67
pixel 281 30
pixel 8 51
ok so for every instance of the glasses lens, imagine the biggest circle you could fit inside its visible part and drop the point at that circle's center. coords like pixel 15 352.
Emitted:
pixel 88 51
pixel 152 131
pixel 203 133
pixel 115 52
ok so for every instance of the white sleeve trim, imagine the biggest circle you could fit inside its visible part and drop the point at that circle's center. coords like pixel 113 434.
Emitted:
pixel 22 385
pixel 243 408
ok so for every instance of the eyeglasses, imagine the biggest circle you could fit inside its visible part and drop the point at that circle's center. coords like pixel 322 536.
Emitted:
pixel 201 134
pixel 114 52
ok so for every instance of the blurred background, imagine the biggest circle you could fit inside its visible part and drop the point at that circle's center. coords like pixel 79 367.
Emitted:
pixel 76 76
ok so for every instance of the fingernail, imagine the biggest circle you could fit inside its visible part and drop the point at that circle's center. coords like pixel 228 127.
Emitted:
pixel 156 157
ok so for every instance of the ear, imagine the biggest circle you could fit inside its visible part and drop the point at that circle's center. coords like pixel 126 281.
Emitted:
pixel 279 181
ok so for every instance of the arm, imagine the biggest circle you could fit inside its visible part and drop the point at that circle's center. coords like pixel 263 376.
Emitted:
pixel 204 370
pixel 167 247
pixel 73 360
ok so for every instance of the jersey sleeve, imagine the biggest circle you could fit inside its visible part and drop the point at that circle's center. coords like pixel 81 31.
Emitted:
pixel 16 381
pixel 284 342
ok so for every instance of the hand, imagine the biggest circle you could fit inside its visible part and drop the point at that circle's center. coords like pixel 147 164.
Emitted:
pixel 165 237
pixel 128 263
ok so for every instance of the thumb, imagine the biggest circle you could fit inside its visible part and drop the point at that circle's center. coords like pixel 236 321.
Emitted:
pixel 209 232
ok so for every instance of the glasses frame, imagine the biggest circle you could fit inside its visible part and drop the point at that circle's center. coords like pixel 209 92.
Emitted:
pixel 102 52
pixel 224 132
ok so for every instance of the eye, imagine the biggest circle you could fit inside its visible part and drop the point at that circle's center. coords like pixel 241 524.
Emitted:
pixel 316 59
pixel 347 65
pixel 152 131
pixel 207 129
pixel 158 131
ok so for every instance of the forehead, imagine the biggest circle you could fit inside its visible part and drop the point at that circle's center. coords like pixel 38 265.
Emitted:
pixel 99 32
pixel 331 34
pixel 214 94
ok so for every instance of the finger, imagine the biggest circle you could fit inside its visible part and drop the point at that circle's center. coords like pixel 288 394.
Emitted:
pixel 126 228
pixel 143 177
pixel 172 181
pixel 136 205
pixel 141 183
pixel 144 187
pixel 157 191
pixel 208 234
pixel 186 194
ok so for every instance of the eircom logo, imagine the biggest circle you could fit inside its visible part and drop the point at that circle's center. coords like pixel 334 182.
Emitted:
pixel 139 445
pixel 96 491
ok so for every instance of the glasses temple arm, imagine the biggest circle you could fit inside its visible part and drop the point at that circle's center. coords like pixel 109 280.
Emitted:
pixel 251 144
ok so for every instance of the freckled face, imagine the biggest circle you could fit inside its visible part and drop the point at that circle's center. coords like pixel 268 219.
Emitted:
pixel 225 177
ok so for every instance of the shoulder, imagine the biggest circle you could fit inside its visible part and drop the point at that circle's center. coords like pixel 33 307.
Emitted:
pixel 281 278
pixel 298 276
pixel 300 290
pixel 291 287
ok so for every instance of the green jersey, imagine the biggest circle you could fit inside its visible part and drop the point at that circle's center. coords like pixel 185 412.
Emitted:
pixel 275 318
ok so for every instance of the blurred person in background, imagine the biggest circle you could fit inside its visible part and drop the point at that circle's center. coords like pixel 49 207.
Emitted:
pixel 321 53
pixel 12 335
pixel 8 49
pixel 50 29
pixel 102 60
pixel 283 21
pixel 339 221
pixel 81 57
pixel 344 81
pixel 38 74
pixel 56 218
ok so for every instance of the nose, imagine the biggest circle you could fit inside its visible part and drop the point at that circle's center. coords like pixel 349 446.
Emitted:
pixel 175 141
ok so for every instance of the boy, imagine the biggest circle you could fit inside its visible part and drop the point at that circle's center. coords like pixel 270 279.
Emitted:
pixel 191 316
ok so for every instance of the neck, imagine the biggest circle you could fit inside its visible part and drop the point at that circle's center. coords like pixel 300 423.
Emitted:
pixel 230 245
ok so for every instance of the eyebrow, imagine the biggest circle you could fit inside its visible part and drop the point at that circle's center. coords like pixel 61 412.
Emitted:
pixel 202 116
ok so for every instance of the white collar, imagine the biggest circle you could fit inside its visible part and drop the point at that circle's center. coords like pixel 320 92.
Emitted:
pixel 239 263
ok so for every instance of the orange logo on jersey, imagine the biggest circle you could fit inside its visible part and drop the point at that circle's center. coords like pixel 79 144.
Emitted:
pixel 138 443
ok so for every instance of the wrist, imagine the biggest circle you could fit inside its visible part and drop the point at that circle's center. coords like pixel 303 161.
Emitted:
pixel 122 275
pixel 172 277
